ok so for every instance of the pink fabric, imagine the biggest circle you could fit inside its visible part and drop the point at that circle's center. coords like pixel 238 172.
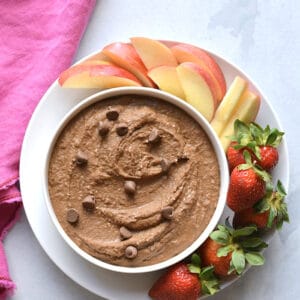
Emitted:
pixel 38 40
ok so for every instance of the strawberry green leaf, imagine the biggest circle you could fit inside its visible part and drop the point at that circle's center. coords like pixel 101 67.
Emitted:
pixel 240 128
pixel 245 231
pixel 238 260
pixel 207 273
pixel 252 242
pixel 243 167
pixel 262 205
pixel 272 215
pixel 254 258
pixel 223 251
pixel 222 228
pixel 247 157
pixel 196 260
pixel 209 283
pixel 194 266
pixel 274 138
pixel 280 188
pixel 262 173
pixel 231 268
pixel 194 269
pixel 210 287
pixel 282 216
pixel 220 237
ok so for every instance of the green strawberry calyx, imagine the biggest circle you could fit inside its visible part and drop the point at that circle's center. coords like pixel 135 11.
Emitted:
pixel 253 136
pixel 274 202
pixel 209 283
pixel 244 245
pixel 256 168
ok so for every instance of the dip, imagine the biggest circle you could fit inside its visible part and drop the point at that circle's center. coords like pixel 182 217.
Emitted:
pixel 133 180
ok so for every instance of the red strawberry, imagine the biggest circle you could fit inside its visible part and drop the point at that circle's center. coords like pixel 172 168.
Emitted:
pixel 247 185
pixel 268 157
pixel 177 283
pixel 271 210
pixel 185 282
pixel 228 250
pixel 208 252
pixel 249 216
pixel 261 143
pixel 234 156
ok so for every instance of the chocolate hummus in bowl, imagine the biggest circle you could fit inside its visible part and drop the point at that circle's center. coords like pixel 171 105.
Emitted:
pixel 135 179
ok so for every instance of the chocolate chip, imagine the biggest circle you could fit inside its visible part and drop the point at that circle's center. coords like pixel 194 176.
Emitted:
pixel 182 158
pixel 112 115
pixel 131 252
pixel 88 202
pixel 81 158
pixel 165 165
pixel 167 212
pixel 103 128
pixel 72 216
pixel 122 129
pixel 154 137
pixel 125 233
pixel 130 187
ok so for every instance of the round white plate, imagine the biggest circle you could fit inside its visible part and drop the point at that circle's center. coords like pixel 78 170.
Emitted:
pixel 52 108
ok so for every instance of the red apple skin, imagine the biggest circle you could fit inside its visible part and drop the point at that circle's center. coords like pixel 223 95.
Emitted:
pixel 189 53
pixel 191 95
pixel 96 70
pixel 125 56
pixel 205 75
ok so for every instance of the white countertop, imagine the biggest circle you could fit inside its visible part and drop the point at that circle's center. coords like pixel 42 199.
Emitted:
pixel 262 37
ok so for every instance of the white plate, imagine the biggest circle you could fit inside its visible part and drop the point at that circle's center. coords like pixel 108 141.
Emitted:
pixel 50 111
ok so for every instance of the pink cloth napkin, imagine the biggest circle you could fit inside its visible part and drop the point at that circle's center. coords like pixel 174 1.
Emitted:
pixel 38 40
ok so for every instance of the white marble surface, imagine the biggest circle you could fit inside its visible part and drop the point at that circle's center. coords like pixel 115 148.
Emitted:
pixel 262 37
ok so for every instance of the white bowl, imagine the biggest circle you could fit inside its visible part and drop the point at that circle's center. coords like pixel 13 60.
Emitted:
pixel 222 161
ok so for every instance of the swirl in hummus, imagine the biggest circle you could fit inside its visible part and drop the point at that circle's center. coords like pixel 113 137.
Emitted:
pixel 189 186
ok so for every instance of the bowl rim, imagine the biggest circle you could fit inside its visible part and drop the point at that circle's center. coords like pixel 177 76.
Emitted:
pixel 193 113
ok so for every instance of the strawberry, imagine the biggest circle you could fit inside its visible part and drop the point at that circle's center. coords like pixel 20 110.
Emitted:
pixel 270 211
pixel 250 216
pixel 185 282
pixel 235 156
pixel 261 143
pixel 247 185
pixel 228 250
pixel 208 252
pixel 268 157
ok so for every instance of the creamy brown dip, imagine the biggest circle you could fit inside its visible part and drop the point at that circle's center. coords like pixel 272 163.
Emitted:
pixel 155 185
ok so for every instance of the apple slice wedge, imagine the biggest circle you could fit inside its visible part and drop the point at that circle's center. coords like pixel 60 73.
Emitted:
pixel 167 80
pixel 189 53
pixel 98 56
pixel 95 63
pixel 153 53
pixel 197 86
pixel 246 111
pixel 228 104
pixel 125 56
pixel 97 76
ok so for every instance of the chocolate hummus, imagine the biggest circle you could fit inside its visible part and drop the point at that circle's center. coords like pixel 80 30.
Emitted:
pixel 133 180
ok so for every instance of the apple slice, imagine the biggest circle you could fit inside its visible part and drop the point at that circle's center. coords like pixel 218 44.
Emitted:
pixel 197 86
pixel 228 104
pixel 167 80
pixel 153 53
pixel 97 76
pixel 189 53
pixel 125 56
pixel 246 111
pixel 99 56
pixel 95 63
